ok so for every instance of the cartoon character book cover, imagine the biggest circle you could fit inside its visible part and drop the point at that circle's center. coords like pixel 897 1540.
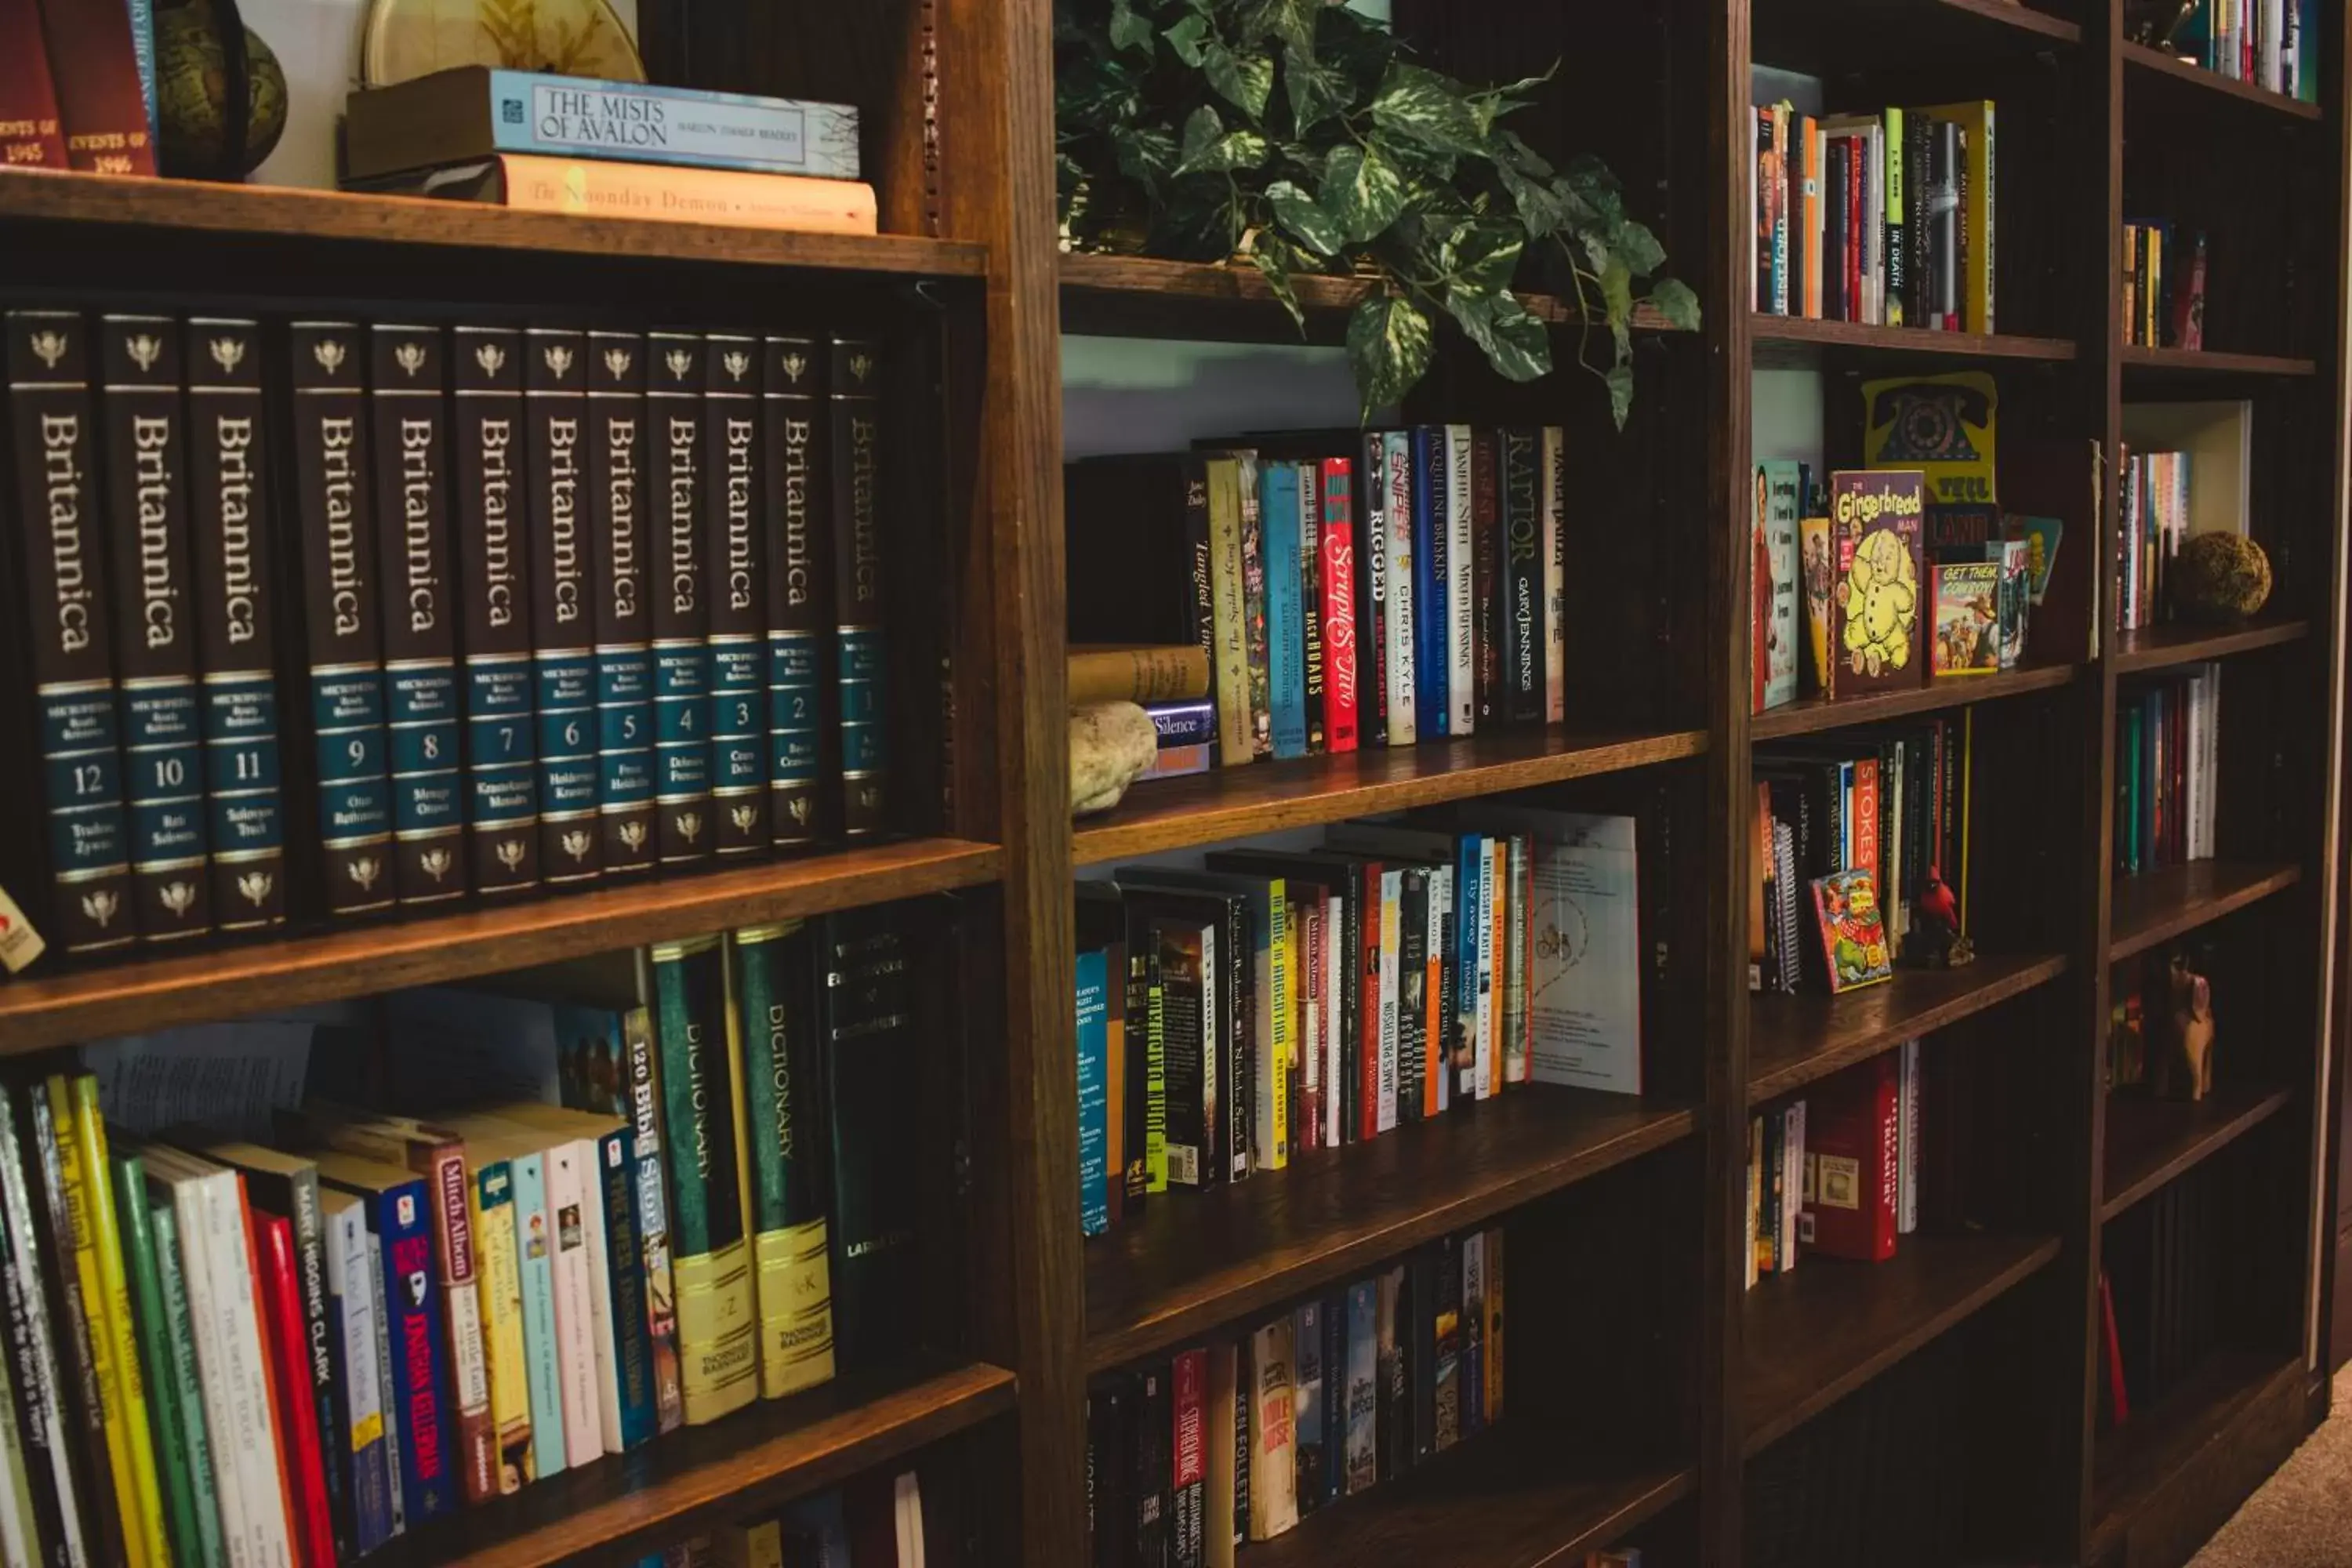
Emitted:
pixel 1854 930
pixel 1878 557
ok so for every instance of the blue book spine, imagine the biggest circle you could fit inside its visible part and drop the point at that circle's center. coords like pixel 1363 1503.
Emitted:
pixel 632 1359
pixel 1432 699
pixel 142 50
pixel 572 117
pixel 401 1220
pixel 537 1261
pixel 1094 1092
pixel 1286 652
pixel 1183 723
pixel 1360 1468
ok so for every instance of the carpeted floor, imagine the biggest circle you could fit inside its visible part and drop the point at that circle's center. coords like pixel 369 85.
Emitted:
pixel 2301 1517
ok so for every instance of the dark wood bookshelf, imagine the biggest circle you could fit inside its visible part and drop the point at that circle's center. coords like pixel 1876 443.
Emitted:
pixel 2142 359
pixel 2151 1142
pixel 2170 69
pixel 2157 906
pixel 1811 715
pixel 1806 332
pixel 1794 1040
pixel 1195 1262
pixel 2237 1416
pixel 2178 643
pixel 1844 37
pixel 614 1510
pixel 1265 797
pixel 1510 1498
pixel 227 981
pixel 1822 1331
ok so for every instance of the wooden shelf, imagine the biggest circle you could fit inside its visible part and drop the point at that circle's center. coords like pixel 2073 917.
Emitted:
pixel 2142 359
pixel 226 982
pixel 2172 69
pixel 619 1509
pixel 1194 1261
pixel 165 210
pixel 2234 1417
pixel 2151 1142
pixel 1842 37
pixel 1818 1333
pixel 1809 715
pixel 1509 1497
pixel 1810 336
pixel 1145 296
pixel 1265 797
pixel 2178 643
pixel 2157 906
pixel 1794 1040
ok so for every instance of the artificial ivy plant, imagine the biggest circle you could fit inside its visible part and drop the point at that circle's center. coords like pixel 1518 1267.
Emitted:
pixel 1297 136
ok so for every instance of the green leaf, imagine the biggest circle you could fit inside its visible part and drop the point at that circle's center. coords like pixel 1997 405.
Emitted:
pixel 1362 191
pixel 1617 290
pixel 1275 268
pixel 1485 256
pixel 1209 148
pixel 1128 30
pixel 1317 90
pixel 1185 38
pixel 1639 247
pixel 1292 21
pixel 1146 154
pixel 1246 80
pixel 1514 341
pixel 1201 132
pixel 1674 301
pixel 1428 109
pixel 1389 344
pixel 1619 378
pixel 1590 181
pixel 1306 222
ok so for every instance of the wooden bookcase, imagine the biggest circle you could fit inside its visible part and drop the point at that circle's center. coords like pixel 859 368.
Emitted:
pixel 1651 1393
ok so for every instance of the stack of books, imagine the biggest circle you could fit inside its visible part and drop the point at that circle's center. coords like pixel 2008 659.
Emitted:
pixel 1885 219
pixel 880 1519
pixel 2155 517
pixel 330 619
pixel 1277 1003
pixel 2164 287
pixel 2273 44
pixel 1239 1439
pixel 2168 768
pixel 79 89
pixel 1345 589
pixel 610 149
pixel 1836 1172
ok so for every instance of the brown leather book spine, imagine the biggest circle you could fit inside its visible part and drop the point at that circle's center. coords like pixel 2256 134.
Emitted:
pixel 563 622
pixel 342 636
pixel 735 557
pixel 618 498
pixel 681 611
pixel 67 612
pixel 494 589
pixel 146 444
pixel 232 537
pixel 419 599
pixel 800 590
pixel 31 136
pixel 95 71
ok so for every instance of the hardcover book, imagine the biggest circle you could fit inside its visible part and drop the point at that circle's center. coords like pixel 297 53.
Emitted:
pixel 154 631
pixel 1343 654
pixel 1230 663
pixel 735 557
pixel 1967 617
pixel 1286 641
pixel 1274 1494
pixel 1308 1405
pixel 128 1175
pixel 1524 611
pixel 344 638
pixel 211 1547
pixel 1400 644
pixel 66 608
pixel 534 1229
pixel 1313 663
pixel 281 1310
pixel 1251 511
pixel 874 1049
pixel 860 638
pixel 1486 568
pixel 796 473
pixel 94 66
pixel 1189 1456
pixel 30 134
pixel 681 611
pixel 1852 929
pixel 78 1387
pixel 1431 611
pixel 1852 1124
pixel 1780 506
pixel 1094 1092
pixel 562 621
pixel 1877 579
pixel 644 1111
pixel 232 535
pixel 420 635
pixel 1460 635
pixel 356 1291
pixel 493 558
pixel 619 504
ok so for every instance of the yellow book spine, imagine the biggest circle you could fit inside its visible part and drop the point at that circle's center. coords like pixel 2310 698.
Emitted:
pixel 497 1283
pixel 1232 674
pixel 760 1545
pixel 715 1334
pixel 1286 1005
pixel 795 1291
pixel 106 1296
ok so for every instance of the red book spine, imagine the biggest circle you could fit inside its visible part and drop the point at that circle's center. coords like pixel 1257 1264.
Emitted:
pixel 1189 1453
pixel 1854 185
pixel 1368 1038
pixel 2119 1400
pixel 30 137
pixel 1339 660
pixel 303 1464
pixel 453 1246
pixel 96 74
pixel 1849 1133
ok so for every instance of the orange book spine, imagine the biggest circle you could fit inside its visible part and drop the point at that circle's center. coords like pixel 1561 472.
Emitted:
pixel 688 195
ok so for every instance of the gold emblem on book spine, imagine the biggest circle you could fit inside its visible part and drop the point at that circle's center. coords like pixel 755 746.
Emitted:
pixel 736 363
pixel 49 347
pixel 177 898
pixel 228 352
pixel 575 843
pixel 102 906
pixel 436 863
pixel 410 358
pixel 144 350
pixel 492 357
pixel 617 362
pixel 679 361
pixel 632 835
pixel 329 352
pixel 255 885
pixel 559 360
pixel 511 853
pixel 364 872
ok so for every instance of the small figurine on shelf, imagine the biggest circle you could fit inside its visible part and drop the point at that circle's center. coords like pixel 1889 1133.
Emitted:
pixel 2182 1054
pixel 1935 939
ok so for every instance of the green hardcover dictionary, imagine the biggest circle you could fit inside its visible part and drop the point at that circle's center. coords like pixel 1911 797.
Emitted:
pixel 153 1337
pixel 775 976
pixel 186 1378
pixel 687 981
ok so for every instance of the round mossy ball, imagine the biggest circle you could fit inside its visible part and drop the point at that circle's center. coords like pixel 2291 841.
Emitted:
pixel 2219 577
pixel 192 94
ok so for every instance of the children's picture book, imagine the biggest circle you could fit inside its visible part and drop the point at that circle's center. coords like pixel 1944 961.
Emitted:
pixel 2012 605
pixel 1854 930
pixel 1876 521
pixel 1818 573
pixel 1967 617
pixel 1780 503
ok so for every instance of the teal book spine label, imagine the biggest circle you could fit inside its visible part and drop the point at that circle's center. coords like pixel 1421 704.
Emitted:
pixel 774 974
pixel 1094 1092
pixel 171 1292
pixel 798 578
pixel 681 612
pixel 146 441
pixel 534 1256
pixel 572 117
pixel 1285 673
pixel 501 746
pixel 624 1263
pixel 860 639
pixel 231 534
pixel 735 549
pixel 624 618
pixel 563 623
pixel 698 1125
pixel 417 580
